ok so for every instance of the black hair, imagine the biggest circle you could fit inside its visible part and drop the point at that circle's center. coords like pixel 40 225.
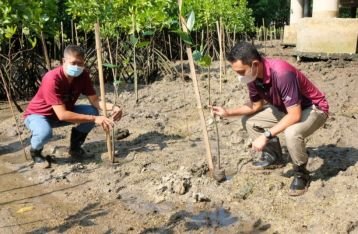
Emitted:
pixel 244 51
pixel 75 50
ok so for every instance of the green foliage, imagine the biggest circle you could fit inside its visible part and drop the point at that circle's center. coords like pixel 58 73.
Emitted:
pixel 28 17
pixel 117 15
pixel 263 9
pixel 234 13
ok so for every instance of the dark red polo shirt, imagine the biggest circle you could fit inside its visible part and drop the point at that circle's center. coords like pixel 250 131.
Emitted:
pixel 284 86
pixel 56 90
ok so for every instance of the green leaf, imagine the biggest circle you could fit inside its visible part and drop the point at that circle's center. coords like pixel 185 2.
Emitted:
pixel 142 44
pixel 184 36
pixel 148 33
pixel 197 55
pixel 133 39
pixel 191 20
pixel 33 42
pixel 205 61
pixel 109 65
pixel 10 31
pixel 26 31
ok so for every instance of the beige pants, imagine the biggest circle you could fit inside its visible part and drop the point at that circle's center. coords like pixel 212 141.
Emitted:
pixel 311 120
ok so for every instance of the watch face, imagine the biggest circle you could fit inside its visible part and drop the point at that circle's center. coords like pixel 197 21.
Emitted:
pixel 267 134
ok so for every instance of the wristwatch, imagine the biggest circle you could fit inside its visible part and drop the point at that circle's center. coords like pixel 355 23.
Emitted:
pixel 268 134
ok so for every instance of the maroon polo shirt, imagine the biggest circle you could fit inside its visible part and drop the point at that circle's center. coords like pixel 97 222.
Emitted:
pixel 56 90
pixel 284 86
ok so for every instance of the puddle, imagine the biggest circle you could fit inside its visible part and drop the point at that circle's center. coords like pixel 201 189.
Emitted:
pixel 216 218
pixel 144 207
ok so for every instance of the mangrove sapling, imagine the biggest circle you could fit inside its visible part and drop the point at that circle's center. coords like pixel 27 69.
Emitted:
pixel 102 90
pixel 187 26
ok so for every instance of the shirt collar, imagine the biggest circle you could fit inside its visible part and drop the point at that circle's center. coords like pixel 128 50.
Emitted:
pixel 267 71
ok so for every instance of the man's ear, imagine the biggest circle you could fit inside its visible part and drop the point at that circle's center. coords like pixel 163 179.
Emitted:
pixel 256 62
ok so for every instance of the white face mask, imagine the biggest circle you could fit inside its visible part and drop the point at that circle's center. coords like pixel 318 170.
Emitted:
pixel 247 78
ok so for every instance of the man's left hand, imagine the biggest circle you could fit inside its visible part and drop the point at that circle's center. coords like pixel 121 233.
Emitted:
pixel 116 113
pixel 259 143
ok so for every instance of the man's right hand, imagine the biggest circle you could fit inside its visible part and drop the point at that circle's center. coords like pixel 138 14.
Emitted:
pixel 220 111
pixel 105 122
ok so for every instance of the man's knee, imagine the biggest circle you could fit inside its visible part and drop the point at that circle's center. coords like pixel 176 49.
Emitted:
pixel 245 121
pixel 292 135
pixel 44 134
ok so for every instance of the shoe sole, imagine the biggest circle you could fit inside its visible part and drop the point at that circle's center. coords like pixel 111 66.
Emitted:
pixel 295 193
pixel 270 167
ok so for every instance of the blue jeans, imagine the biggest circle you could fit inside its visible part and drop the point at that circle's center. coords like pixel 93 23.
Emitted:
pixel 41 126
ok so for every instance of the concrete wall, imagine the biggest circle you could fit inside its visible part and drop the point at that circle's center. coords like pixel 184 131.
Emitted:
pixel 325 8
pixel 327 35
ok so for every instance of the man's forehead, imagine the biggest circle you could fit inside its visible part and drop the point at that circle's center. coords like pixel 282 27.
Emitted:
pixel 238 65
pixel 73 57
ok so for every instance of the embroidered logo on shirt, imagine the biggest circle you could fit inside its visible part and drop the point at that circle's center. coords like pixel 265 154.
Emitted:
pixel 287 99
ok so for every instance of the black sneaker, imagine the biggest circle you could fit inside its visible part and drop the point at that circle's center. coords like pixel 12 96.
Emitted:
pixel 80 154
pixel 299 184
pixel 267 161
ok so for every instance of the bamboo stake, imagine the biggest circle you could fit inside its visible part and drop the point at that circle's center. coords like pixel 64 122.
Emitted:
pixel 13 114
pixel 62 40
pixel 198 98
pixel 220 55
pixel 72 33
pixel 101 83
pixel 223 43
pixel 76 35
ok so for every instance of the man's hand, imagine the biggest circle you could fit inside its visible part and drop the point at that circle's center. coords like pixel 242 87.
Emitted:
pixel 116 113
pixel 220 111
pixel 104 122
pixel 259 144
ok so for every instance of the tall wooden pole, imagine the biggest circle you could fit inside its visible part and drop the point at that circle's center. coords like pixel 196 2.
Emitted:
pixel 101 84
pixel 197 95
pixel 220 55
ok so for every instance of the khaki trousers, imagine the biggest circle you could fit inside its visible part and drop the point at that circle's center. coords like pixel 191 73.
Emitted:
pixel 311 120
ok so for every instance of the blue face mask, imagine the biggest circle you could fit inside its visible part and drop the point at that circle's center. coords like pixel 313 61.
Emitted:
pixel 74 71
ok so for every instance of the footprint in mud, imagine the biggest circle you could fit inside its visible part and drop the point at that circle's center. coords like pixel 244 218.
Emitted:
pixel 217 218
pixel 121 133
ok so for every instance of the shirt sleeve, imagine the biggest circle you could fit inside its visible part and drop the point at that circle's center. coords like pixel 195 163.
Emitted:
pixel 51 94
pixel 88 88
pixel 253 93
pixel 289 89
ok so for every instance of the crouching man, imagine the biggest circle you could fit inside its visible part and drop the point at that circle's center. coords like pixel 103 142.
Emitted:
pixel 54 105
pixel 282 99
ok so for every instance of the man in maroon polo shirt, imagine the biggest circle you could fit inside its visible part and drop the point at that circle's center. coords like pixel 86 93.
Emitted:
pixel 54 105
pixel 282 99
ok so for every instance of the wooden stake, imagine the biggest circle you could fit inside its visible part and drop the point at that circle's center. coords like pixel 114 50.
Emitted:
pixel 62 38
pixel 197 95
pixel 101 83
pixel 220 55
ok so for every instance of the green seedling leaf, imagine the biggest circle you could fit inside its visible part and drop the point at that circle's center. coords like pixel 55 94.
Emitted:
pixel 26 31
pixel 109 65
pixel 148 33
pixel 205 61
pixel 133 40
pixel 32 42
pixel 197 55
pixel 10 31
pixel 184 36
pixel 142 44
pixel 191 20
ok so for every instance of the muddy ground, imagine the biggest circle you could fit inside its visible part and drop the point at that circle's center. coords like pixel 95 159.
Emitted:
pixel 161 183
